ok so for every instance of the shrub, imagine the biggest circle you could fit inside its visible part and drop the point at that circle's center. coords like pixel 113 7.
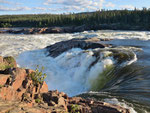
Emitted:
pixel 38 77
pixel 38 100
pixel 75 108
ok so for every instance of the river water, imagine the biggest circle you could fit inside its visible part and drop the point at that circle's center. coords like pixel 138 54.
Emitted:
pixel 126 83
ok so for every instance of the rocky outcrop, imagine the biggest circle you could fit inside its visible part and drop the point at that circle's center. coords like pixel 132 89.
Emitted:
pixel 71 29
pixel 85 43
pixel 20 93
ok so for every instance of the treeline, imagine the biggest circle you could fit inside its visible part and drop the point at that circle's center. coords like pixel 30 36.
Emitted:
pixel 119 17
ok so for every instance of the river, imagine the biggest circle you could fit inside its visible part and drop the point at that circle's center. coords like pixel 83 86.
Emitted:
pixel 126 84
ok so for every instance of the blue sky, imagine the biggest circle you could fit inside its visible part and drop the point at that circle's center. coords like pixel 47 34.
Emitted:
pixel 66 6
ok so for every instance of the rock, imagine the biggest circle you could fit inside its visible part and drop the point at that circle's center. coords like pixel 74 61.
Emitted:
pixel 56 30
pixel 4 79
pixel 60 47
pixel 7 62
pixel 44 88
pixel 1 59
pixel 98 107
pixel 16 82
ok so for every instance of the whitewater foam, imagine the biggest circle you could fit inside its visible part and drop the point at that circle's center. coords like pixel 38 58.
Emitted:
pixel 123 104
pixel 69 72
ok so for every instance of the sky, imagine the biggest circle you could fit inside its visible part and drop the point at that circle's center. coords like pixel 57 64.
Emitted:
pixel 10 7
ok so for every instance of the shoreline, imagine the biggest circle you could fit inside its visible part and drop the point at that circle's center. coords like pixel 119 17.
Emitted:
pixel 68 29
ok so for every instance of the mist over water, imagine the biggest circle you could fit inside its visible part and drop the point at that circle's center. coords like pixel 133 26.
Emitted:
pixel 74 72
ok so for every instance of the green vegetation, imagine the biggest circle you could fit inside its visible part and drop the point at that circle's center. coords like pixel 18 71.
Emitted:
pixel 9 59
pixel 9 62
pixel 5 66
pixel 38 100
pixel 38 77
pixel 1 86
pixel 75 108
pixel 119 18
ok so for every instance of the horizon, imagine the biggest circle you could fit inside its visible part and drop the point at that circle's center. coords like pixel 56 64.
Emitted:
pixel 16 7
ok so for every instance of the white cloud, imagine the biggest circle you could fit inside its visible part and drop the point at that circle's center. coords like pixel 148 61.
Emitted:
pixel 76 5
pixel 127 7
pixel 101 2
pixel 110 4
pixel 2 8
pixel 39 8
pixel 5 2
pixel 8 2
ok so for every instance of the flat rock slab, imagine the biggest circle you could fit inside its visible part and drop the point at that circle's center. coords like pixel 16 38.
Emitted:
pixel 85 43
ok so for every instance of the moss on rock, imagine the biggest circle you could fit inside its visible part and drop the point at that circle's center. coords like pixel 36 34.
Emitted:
pixel 7 62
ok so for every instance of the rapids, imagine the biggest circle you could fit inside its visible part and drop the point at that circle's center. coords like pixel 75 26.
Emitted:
pixel 119 75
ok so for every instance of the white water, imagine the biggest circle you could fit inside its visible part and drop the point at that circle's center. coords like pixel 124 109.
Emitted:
pixel 116 102
pixel 70 71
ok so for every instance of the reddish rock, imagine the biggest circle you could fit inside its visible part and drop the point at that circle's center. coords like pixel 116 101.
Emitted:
pixel 44 88
pixel 19 75
pixel 7 93
pixel 4 79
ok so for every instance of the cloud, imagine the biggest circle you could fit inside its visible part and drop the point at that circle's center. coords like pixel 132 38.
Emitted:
pixel 76 5
pixel 127 7
pixel 2 8
pixel 39 8
pixel 110 4
pixel 8 2
pixel 5 2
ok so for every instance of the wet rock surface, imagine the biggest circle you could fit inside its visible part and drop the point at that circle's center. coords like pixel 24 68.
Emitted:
pixel 85 43
pixel 20 94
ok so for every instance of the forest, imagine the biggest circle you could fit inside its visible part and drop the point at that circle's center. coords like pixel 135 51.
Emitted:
pixel 122 18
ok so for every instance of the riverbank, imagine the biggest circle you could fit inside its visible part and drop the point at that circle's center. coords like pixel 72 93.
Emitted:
pixel 71 29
